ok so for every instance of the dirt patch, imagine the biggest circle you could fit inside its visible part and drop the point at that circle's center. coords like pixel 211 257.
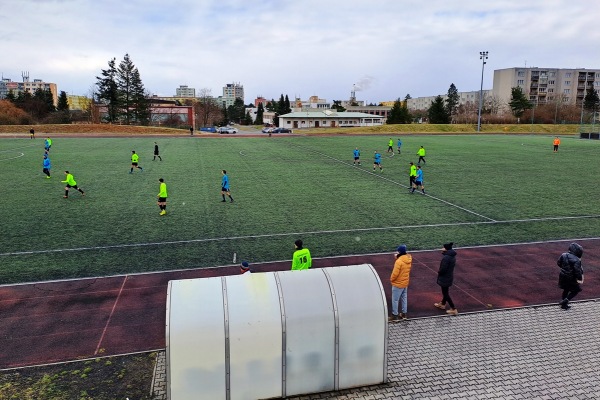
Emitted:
pixel 104 378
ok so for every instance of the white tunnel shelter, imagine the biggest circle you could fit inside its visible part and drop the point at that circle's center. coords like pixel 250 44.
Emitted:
pixel 276 334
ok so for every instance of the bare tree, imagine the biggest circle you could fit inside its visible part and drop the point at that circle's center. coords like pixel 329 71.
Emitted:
pixel 208 113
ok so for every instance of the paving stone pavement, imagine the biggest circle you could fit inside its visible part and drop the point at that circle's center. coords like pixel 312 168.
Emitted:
pixel 539 352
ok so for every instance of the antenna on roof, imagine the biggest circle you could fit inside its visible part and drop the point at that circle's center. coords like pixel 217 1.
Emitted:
pixel 25 76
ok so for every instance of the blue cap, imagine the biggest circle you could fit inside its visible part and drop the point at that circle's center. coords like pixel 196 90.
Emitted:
pixel 245 265
pixel 402 249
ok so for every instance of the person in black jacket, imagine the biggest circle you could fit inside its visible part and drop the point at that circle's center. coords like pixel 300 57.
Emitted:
pixel 571 274
pixel 446 277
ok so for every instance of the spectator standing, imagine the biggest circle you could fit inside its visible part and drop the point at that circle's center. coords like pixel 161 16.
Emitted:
pixel 446 278
pixel 421 154
pixel 191 131
pixel 301 258
pixel 571 274
pixel 31 134
pixel 399 279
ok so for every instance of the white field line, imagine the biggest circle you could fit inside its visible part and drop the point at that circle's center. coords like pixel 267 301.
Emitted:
pixel 18 148
pixel 12 158
pixel 274 235
pixel 482 246
pixel 404 186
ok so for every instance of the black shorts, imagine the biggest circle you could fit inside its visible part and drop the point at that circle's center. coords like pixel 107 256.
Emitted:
pixel 74 186
pixel 376 163
pixel 156 153
pixel 134 164
pixel 224 189
pixel 162 199
pixel 356 158
pixel 418 183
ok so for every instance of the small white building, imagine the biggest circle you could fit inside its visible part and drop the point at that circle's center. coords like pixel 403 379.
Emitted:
pixel 328 119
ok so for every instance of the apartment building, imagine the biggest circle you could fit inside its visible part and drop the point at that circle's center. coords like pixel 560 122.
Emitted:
pixel 232 91
pixel 185 91
pixel 6 85
pixel 464 98
pixel 546 85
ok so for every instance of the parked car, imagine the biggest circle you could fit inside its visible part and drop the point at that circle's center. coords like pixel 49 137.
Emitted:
pixel 267 130
pixel 227 129
pixel 281 130
pixel 208 129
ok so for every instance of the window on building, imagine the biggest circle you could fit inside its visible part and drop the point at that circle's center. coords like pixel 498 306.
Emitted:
pixel 568 75
pixel 567 82
pixel 521 82
pixel 567 91
pixel 550 90
pixel 521 73
pixel 542 89
pixel 565 99
pixel 552 74
pixel 550 82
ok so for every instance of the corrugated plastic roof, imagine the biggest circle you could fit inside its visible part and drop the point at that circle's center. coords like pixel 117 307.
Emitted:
pixel 332 114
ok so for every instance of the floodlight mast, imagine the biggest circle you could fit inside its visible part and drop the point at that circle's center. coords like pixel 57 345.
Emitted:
pixel 483 55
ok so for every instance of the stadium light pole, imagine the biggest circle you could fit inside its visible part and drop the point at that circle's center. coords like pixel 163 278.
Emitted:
pixel 483 55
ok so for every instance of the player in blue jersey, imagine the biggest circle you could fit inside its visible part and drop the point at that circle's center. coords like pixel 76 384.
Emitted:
pixel 399 145
pixel 419 181
pixel 356 156
pixel 377 161
pixel 225 186
pixel 46 165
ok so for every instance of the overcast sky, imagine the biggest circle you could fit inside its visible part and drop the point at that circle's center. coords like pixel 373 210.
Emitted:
pixel 387 48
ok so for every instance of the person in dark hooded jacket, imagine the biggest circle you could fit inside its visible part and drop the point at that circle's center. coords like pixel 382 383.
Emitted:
pixel 571 274
pixel 446 277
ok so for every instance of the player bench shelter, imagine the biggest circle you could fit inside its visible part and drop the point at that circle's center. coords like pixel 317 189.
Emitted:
pixel 275 334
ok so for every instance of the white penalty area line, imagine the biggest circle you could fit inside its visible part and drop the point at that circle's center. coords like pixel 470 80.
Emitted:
pixel 404 186
pixel 17 148
pixel 275 235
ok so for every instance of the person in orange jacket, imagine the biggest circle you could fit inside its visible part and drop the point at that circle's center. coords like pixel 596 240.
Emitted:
pixel 556 144
pixel 399 280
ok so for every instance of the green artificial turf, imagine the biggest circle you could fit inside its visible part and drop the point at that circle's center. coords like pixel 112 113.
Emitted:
pixel 483 190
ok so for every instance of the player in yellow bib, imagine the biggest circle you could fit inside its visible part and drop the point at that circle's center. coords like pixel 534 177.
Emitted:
pixel 134 162
pixel 301 258
pixel 162 197
pixel 71 183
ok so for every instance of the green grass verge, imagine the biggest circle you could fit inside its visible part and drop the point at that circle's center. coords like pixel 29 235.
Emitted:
pixel 484 189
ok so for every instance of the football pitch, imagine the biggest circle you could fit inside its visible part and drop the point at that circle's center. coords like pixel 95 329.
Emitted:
pixel 481 190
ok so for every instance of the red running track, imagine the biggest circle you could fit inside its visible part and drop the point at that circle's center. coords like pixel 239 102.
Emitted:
pixel 68 320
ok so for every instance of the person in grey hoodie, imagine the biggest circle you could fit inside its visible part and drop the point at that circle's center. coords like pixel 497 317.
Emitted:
pixel 571 274
pixel 446 277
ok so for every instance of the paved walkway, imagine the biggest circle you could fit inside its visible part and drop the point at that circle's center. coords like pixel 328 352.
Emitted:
pixel 538 352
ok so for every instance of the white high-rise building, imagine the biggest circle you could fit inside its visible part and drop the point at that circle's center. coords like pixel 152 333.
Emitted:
pixel 232 91
pixel 185 91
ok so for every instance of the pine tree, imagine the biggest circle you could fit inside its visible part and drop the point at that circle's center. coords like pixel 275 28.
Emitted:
pixel 452 101
pixel 591 100
pixel 124 78
pixel 108 91
pixel 63 102
pixel 281 105
pixel 518 102
pixel 259 115
pixel 141 104
pixel 286 103
pixel 64 116
pixel 437 112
